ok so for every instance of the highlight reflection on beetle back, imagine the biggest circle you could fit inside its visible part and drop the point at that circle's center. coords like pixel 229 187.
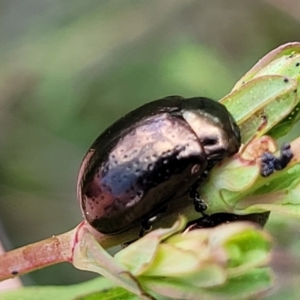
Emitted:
pixel 145 168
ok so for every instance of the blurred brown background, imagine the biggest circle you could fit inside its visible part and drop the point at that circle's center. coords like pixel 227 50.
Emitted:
pixel 69 68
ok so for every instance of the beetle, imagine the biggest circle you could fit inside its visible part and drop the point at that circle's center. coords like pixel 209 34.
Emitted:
pixel 157 152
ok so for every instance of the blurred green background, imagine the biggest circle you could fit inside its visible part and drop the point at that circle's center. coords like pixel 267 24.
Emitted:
pixel 69 68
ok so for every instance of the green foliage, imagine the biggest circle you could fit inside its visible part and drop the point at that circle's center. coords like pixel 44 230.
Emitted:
pixel 60 293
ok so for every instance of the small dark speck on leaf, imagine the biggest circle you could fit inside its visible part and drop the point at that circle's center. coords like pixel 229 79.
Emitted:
pixel 286 80
pixel 297 64
pixel 14 273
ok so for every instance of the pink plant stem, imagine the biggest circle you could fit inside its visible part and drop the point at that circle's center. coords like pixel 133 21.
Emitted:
pixel 53 250
pixel 12 283
pixel 35 256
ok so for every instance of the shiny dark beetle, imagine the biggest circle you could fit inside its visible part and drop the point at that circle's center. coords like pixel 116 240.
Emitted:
pixel 155 153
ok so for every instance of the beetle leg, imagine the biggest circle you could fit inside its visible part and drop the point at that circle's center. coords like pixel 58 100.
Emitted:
pixel 125 245
pixel 146 225
pixel 199 205
pixel 270 163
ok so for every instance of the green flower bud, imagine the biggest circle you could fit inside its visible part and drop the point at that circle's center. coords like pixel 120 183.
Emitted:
pixel 183 264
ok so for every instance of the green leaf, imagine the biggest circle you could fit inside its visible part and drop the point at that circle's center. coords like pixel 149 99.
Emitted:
pixel 287 50
pixel 139 255
pixel 90 256
pixel 115 293
pixel 242 287
pixel 284 61
pixel 246 285
pixel 58 292
pixel 278 193
pixel 227 183
pixel 261 103
pixel 246 249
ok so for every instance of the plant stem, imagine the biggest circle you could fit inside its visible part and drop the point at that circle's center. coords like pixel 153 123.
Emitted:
pixel 34 256
pixel 12 283
pixel 52 251
pixel 59 248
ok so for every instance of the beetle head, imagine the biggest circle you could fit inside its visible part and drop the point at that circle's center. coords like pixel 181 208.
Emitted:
pixel 217 131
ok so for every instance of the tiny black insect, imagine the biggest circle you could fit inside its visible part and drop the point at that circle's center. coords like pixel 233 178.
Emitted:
pixel 158 152
pixel 270 163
